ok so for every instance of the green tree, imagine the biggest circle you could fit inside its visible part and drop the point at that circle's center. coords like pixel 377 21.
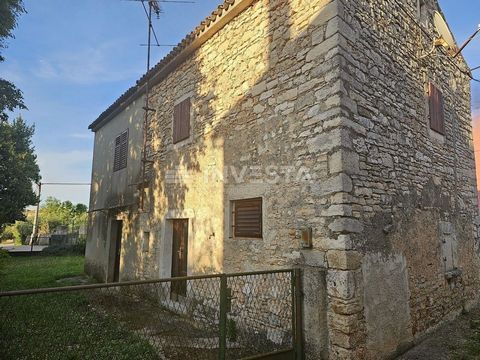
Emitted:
pixel 10 96
pixel 18 166
pixel 18 169
pixel 54 213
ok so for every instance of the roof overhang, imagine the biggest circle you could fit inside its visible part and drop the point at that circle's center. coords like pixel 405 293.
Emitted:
pixel 202 33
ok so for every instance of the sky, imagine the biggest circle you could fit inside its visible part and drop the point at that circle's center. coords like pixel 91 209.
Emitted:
pixel 73 58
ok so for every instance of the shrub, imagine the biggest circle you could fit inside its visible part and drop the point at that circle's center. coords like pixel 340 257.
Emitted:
pixel 19 232
pixel 60 250
pixel 7 234
pixel 24 230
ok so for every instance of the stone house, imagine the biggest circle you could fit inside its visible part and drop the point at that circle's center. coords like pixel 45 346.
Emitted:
pixel 275 120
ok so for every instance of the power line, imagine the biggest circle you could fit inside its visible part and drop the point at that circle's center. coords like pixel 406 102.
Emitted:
pixel 65 183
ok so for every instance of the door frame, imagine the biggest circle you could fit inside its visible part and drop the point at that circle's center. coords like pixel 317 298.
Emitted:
pixel 114 259
pixel 179 288
pixel 166 243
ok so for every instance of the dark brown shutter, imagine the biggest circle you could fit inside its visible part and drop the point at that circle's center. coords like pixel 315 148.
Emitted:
pixel 436 108
pixel 248 218
pixel 124 150
pixel 121 151
pixel 176 122
pixel 181 121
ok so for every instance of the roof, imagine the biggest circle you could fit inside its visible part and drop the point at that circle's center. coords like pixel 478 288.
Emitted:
pixel 223 14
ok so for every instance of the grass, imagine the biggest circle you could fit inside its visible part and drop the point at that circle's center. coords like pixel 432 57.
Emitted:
pixel 470 347
pixel 61 325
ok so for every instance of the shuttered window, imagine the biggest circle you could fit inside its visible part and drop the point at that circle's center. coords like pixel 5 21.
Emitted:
pixel 121 151
pixel 436 109
pixel 181 121
pixel 247 218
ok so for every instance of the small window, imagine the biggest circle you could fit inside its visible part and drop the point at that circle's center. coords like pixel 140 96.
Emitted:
pixel 247 218
pixel 121 151
pixel 436 109
pixel 181 121
pixel 146 241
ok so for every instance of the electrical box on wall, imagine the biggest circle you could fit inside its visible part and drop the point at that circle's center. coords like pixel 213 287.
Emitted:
pixel 307 238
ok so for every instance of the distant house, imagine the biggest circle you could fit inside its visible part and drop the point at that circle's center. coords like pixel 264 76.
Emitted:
pixel 283 121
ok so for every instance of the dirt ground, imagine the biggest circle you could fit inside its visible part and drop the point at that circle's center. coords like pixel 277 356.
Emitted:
pixel 456 340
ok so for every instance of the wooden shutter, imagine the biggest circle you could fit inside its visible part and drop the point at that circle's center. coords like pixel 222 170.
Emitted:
pixel 436 108
pixel 181 121
pixel 248 218
pixel 121 151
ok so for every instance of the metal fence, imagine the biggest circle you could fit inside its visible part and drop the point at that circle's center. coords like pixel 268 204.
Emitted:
pixel 226 316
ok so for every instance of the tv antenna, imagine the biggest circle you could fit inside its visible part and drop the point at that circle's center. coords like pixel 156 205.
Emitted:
pixel 150 7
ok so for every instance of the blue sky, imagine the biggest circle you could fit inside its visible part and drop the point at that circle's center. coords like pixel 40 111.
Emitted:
pixel 73 58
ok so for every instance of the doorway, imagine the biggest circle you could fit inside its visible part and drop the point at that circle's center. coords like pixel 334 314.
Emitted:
pixel 117 241
pixel 179 256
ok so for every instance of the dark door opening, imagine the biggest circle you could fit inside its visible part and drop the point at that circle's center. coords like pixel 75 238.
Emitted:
pixel 179 256
pixel 118 248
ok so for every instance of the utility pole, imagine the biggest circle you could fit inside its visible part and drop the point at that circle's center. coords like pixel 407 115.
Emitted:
pixel 35 221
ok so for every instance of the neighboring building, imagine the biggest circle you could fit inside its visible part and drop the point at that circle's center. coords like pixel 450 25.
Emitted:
pixel 275 117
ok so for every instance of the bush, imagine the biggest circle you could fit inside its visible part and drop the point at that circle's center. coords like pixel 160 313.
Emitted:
pixel 7 234
pixel 60 250
pixel 24 230
pixel 19 232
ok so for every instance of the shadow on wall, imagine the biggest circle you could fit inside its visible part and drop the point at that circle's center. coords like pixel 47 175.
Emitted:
pixel 476 146
pixel 249 111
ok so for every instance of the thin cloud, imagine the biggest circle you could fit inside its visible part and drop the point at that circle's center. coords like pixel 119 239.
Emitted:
pixel 87 66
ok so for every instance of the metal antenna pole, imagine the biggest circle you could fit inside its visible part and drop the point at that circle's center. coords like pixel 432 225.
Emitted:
pixel 153 6
pixel 35 221
pixel 146 108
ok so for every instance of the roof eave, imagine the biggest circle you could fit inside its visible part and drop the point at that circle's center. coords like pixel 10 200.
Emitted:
pixel 209 27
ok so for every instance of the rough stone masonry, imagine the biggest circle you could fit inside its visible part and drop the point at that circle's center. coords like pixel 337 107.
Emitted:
pixel 320 108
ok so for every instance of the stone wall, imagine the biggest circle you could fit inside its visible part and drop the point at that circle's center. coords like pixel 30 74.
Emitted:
pixel 412 194
pixel 319 108
pixel 264 92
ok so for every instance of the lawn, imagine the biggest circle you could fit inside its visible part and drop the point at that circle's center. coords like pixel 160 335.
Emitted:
pixel 58 325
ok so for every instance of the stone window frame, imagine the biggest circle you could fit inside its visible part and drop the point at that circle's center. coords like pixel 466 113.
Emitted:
pixel 181 143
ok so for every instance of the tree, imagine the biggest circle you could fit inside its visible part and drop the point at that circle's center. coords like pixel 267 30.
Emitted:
pixel 18 169
pixel 10 10
pixel 18 165
pixel 10 96
pixel 54 213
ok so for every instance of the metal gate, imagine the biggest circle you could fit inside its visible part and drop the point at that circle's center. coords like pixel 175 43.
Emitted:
pixel 252 315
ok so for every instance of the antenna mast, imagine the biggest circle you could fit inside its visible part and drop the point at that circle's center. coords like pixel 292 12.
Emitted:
pixel 153 6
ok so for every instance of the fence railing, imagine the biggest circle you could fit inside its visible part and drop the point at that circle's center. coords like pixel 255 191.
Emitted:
pixel 225 316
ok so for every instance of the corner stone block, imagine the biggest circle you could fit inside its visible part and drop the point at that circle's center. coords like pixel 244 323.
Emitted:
pixel 343 161
pixel 339 183
pixel 339 353
pixel 343 242
pixel 341 284
pixel 344 260
pixel 346 225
